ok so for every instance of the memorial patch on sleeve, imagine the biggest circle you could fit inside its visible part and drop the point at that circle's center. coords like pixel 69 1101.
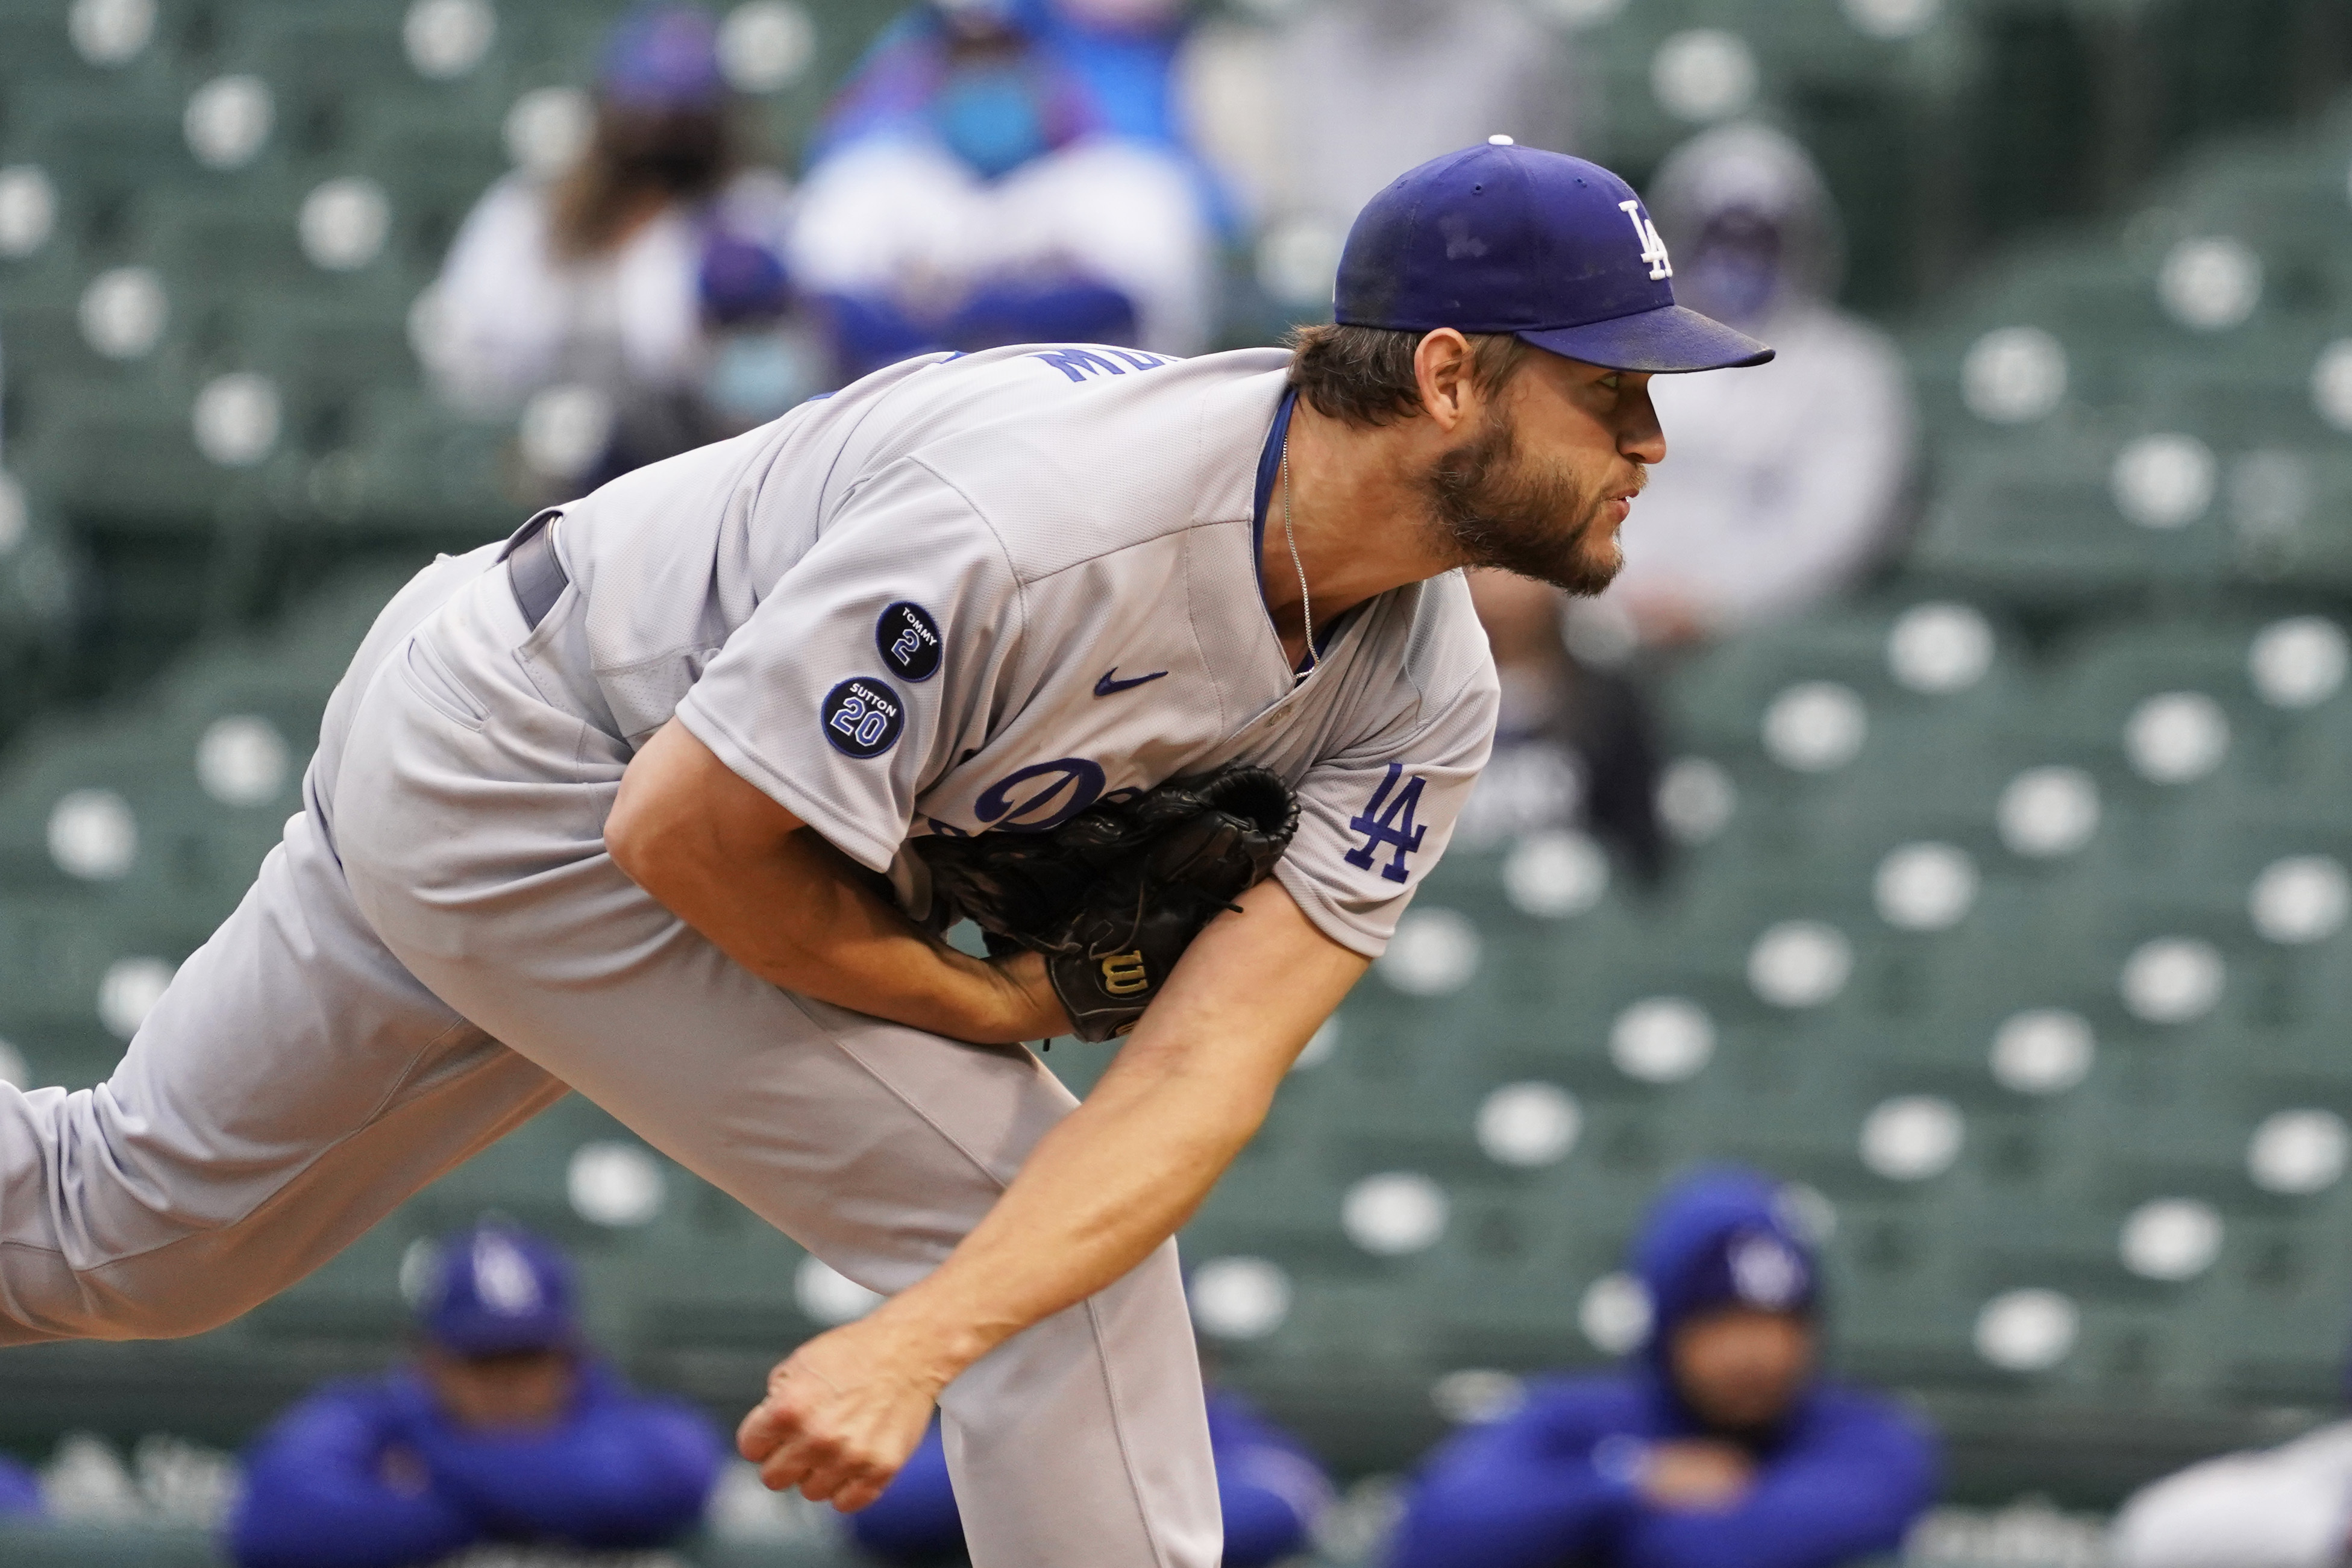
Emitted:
pixel 908 640
pixel 863 717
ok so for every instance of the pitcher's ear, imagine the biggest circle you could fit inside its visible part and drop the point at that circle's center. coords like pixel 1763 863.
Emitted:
pixel 1441 368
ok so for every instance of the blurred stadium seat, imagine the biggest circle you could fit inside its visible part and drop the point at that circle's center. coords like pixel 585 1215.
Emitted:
pixel 2012 916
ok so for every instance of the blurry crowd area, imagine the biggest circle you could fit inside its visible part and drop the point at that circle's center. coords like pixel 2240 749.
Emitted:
pixel 259 316
pixel 1929 860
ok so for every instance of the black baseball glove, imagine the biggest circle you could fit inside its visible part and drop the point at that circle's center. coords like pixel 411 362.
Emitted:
pixel 1114 896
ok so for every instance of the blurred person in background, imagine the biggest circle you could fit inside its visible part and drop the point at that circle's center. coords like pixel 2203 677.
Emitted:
pixel 1785 486
pixel 1311 121
pixel 1269 1489
pixel 971 191
pixel 1575 746
pixel 650 271
pixel 503 1428
pixel 1132 59
pixel 20 1493
pixel 1719 1446
pixel 2288 1507
pixel 1123 55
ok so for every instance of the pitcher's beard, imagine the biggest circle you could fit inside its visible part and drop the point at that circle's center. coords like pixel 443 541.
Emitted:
pixel 1495 509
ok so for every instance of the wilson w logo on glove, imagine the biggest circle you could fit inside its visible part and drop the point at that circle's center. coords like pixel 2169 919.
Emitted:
pixel 1125 973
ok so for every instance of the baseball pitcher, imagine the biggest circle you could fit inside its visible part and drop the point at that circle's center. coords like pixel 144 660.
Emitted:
pixel 1162 671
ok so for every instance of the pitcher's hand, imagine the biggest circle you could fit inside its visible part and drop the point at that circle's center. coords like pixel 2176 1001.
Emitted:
pixel 842 1414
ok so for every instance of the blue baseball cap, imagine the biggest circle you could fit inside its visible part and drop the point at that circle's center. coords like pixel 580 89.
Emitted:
pixel 1723 1236
pixel 664 58
pixel 1556 250
pixel 496 1290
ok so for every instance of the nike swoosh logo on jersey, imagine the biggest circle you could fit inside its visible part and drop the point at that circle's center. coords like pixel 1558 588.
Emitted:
pixel 1110 683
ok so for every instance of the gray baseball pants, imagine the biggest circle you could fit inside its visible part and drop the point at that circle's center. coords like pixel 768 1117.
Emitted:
pixel 439 948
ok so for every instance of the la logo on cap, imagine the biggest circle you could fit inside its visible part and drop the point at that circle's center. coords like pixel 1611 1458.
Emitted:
pixel 503 1277
pixel 1654 250
pixel 1766 1273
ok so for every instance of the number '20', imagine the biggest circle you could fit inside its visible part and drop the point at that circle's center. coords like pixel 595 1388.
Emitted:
pixel 861 720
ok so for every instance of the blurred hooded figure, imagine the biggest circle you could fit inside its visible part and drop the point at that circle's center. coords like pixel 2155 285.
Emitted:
pixel 1312 120
pixel 650 271
pixel 1717 1446
pixel 1123 55
pixel 503 1428
pixel 2288 1507
pixel 1783 487
pixel 972 189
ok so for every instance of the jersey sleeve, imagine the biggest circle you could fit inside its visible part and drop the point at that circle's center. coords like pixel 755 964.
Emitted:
pixel 870 667
pixel 1375 816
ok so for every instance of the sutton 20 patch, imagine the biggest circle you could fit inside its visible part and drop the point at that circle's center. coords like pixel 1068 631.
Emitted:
pixel 863 717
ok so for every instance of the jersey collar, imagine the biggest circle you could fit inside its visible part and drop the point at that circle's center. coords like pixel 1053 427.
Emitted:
pixel 1269 469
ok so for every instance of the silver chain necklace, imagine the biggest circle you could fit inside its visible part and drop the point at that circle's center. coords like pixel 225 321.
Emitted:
pixel 1305 603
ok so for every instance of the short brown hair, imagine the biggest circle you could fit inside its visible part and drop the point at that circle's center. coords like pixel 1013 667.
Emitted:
pixel 1363 375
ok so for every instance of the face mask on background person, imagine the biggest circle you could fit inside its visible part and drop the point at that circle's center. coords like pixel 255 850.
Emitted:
pixel 1735 273
pixel 989 117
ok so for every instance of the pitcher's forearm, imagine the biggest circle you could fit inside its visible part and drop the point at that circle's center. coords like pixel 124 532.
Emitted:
pixel 799 918
pixel 773 896
pixel 1129 1167
pixel 805 919
pixel 1098 1194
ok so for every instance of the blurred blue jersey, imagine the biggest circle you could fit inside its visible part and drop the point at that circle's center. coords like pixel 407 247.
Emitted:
pixel 20 1490
pixel 372 1475
pixel 1553 1484
pixel 1842 1475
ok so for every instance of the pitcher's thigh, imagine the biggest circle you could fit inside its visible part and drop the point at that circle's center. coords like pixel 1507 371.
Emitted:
pixel 292 1086
pixel 470 817
pixel 876 1146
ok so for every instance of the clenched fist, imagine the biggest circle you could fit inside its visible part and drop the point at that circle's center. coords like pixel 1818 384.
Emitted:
pixel 842 1414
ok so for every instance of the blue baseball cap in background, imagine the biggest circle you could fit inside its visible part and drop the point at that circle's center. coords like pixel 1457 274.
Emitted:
pixel 496 1290
pixel 1553 249
pixel 1723 1236
pixel 662 57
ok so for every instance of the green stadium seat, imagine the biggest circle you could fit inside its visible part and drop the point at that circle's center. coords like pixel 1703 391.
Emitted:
pixel 2036 526
pixel 420 468
pixel 215 248
pixel 127 452
pixel 99 142
pixel 2089 615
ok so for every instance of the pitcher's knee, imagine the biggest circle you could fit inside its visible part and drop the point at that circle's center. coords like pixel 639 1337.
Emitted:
pixel 98 1243
pixel 44 1298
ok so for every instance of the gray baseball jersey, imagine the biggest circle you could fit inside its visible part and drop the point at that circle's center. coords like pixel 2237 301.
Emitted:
pixel 981 593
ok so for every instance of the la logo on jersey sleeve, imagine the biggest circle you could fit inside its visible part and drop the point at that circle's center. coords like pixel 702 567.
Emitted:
pixel 1386 823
